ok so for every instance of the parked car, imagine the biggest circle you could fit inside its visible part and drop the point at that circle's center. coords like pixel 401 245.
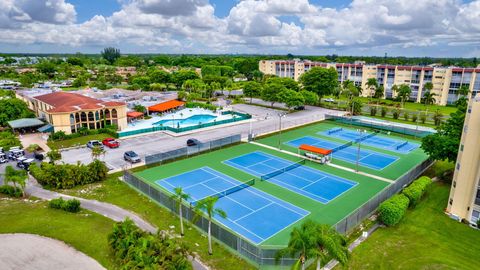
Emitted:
pixel 38 156
pixel 329 100
pixel 111 143
pixel 131 157
pixel 193 142
pixel 24 163
pixel 15 153
pixel 94 143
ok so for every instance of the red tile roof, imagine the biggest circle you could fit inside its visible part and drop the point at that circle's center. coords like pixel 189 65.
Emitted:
pixel 134 114
pixel 70 102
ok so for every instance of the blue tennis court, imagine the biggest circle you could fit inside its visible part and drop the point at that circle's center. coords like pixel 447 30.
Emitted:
pixel 374 141
pixel 369 159
pixel 251 213
pixel 314 184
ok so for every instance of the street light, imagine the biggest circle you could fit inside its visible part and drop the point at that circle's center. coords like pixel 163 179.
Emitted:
pixel 280 116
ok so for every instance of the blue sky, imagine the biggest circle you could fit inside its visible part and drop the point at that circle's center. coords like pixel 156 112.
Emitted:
pixel 363 27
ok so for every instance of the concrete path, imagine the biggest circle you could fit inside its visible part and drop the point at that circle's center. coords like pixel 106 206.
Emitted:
pixel 105 209
pixel 35 138
pixel 35 252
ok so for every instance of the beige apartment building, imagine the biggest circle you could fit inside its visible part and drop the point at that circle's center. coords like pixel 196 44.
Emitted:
pixel 446 80
pixel 464 201
pixel 68 112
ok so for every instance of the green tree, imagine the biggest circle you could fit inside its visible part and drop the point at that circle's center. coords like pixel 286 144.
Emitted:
pixel 54 155
pixel 140 108
pixel 328 244
pixel 372 86
pixel 291 98
pixel 428 86
pixel 181 76
pixel 16 177
pixel 207 206
pixel 464 90
pixel 321 81
pixel 379 92
pixel 428 98
pixel 12 109
pixel 301 244
pixel 48 68
pixel 437 117
pixel 252 89
pixel 110 54
pixel 310 97
pixel 403 92
pixel 179 196
pixel 270 92
pixel 159 76
pixel 32 147
pixel 97 151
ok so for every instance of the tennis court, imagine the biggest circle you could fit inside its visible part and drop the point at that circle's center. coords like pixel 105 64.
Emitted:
pixel 371 139
pixel 348 152
pixel 314 184
pixel 251 213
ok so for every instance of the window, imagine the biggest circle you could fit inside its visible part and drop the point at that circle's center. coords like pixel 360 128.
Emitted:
pixel 107 113
pixel 72 119
pixel 461 147
pixel 458 166
pixel 114 113
pixel 77 117
pixel 83 117
pixel 91 125
pixel 90 117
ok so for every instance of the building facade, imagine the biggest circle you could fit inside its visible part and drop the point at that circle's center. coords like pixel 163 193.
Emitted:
pixel 464 200
pixel 445 80
pixel 69 112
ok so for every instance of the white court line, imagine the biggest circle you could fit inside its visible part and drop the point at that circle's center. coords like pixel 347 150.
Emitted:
pixel 253 211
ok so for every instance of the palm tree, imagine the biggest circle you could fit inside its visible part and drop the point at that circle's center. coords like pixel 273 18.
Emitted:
pixel 301 244
pixel 97 151
pixel 464 90
pixel 329 244
pixel 379 91
pixel 428 98
pixel 179 197
pixel 207 206
pixel 372 84
pixel 16 177
pixel 403 92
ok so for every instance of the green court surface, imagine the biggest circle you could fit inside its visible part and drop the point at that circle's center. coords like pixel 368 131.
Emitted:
pixel 329 213
pixel 403 164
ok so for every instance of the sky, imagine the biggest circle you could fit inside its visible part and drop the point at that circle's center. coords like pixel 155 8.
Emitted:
pixel 435 28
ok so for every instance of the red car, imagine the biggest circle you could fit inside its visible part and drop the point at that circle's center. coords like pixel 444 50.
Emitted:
pixel 111 143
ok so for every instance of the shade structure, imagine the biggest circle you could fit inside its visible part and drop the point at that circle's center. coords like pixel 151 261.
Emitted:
pixel 165 106
pixel 134 114
pixel 314 149
pixel 25 123
pixel 46 128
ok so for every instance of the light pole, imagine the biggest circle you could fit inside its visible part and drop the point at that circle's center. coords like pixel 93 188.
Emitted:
pixel 280 116
pixel 250 136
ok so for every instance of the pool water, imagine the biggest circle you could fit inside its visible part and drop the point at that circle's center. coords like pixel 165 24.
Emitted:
pixel 190 121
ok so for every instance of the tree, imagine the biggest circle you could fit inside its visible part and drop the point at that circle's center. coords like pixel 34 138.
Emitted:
pixel 437 117
pixel 110 54
pixel 464 90
pixel 321 81
pixel 428 98
pixel 310 97
pixel 372 85
pixel 12 109
pixel 33 147
pixel 270 92
pixel 252 89
pixel 301 244
pixel 139 108
pixel 329 244
pixel 207 206
pixel 48 68
pixel 179 77
pixel 159 76
pixel 378 94
pixel 403 92
pixel 428 86
pixel 291 98
pixel 97 151
pixel 54 155
pixel 16 177
pixel 179 197
pixel 289 83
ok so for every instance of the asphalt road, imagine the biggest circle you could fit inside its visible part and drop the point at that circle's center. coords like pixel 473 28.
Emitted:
pixel 264 120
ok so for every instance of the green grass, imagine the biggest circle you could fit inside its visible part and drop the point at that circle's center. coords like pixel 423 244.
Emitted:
pixel 85 231
pixel 425 239
pixel 118 193
pixel 329 213
pixel 80 141
pixel 393 171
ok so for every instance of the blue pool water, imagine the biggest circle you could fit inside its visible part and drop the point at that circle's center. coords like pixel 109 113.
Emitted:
pixel 190 121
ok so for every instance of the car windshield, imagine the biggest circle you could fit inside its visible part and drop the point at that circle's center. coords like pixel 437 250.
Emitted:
pixel 132 154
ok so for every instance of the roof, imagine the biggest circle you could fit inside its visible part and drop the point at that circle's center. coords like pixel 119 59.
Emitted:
pixel 25 122
pixel 70 102
pixel 134 114
pixel 165 106
pixel 318 150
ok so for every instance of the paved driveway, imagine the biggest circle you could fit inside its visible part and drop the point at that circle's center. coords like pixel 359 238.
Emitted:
pixel 264 120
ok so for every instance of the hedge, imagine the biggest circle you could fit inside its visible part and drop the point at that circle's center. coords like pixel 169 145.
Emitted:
pixel 416 190
pixel 60 135
pixel 392 210
pixel 11 191
pixel 72 205
pixel 201 105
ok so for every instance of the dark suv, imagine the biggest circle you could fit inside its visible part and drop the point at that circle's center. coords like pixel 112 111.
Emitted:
pixel 193 142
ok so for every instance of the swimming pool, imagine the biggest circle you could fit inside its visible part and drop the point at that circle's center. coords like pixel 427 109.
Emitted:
pixel 189 121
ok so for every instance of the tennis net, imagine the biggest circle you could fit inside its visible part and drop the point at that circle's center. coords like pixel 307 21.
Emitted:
pixel 282 170
pixel 401 145
pixel 341 147
pixel 334 130
pixel 365 137
pixel 228 191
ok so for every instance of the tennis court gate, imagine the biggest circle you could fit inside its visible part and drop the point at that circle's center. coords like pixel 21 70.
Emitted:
pixel 356 217
pixel 191 150
pixel 233 241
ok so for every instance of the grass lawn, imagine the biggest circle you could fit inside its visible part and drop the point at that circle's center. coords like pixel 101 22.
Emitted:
pixel 116 192
pixel 77 141
pixel 425 239
pixel 85 231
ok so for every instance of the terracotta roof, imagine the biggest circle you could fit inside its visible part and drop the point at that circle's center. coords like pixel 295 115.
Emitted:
pixel 165 106
pixel 318 150
pixel 134 114
pixel 70 102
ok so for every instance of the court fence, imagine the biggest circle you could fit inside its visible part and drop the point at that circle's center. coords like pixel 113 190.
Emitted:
pixel 191 150
pixel 258 255
pixel 357 216
pixel 236 116
pixel 411 130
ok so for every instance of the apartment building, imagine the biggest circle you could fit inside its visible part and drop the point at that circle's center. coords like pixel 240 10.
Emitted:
pixel 445 80
pixel 464 201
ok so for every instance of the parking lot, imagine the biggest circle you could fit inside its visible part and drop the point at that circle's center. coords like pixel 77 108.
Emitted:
pixel 264 120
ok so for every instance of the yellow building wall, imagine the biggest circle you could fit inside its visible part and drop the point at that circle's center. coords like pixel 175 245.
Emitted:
pixel 368 72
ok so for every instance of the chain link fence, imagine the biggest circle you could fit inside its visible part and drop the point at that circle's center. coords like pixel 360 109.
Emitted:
pixel 356 217
pixel 191 150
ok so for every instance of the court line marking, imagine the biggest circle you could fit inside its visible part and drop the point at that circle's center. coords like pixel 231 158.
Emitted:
pixel 328 164
pixel 254 211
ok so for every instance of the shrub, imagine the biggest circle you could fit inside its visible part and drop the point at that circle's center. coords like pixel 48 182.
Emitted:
pixel 8 139
pixel 72 205
pixel 373 111
pixel 406 116
pixel 414 118
pixel 11 191
pixel 392 210
pixel 384 111
pixel 417 189
pixel 60 135
pixel 201 105
pixel 396 114
pixel 423 118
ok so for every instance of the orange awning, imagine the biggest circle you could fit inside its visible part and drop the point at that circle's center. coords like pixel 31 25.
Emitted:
pixel 134 114
pixel 165 106
pixel 314 149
